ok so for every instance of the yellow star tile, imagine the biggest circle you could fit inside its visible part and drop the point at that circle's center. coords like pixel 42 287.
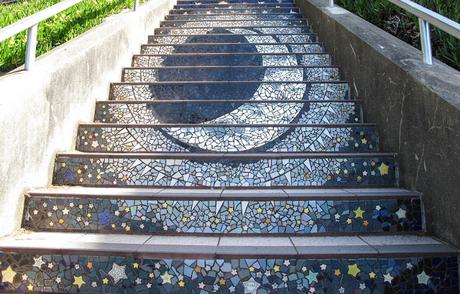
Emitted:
pixel 89 265
pixel 365 223
pixel 230 209
pixel 105 281
pixel 259 210
pixel 364 141
pixel 181 284
pixel 276 268
pixel 359 212
pixel 337 272
pixel 164 205
pixel 197 269
pixel 222 282
pixel 383 169
pixel 372 275
pixel 78 281
pixel 306 210
pixel 251 269
pixel 353 270
pixel 166 277
pixel 349 221
pixel 30 287
pixel 8 275
pixel 135 265
pixel 127 209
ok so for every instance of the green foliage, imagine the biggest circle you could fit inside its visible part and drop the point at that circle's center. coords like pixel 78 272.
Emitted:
pixel 55 30
pixel 405 26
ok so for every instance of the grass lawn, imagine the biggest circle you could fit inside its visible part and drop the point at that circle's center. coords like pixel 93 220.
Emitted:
pixel 405 26
pixel 54 31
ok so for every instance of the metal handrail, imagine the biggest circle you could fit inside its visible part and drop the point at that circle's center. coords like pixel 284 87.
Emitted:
pixel 425 18
pixel 31 22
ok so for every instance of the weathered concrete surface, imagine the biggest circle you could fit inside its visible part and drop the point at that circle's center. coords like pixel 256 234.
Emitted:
pixel 416 107
pixel 40 110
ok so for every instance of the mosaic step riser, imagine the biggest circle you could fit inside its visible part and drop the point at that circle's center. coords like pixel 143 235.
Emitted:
pixel 294 91
pixel 218 10
pixel 229 59
pixel 243 30
pixel 234 48
pixel 233 23
pixel 92 273
pixel 226 139
pixel 228 37
pixel 233 1
pixel 207 112
pixel 105 170
pixel 235 6
pixel 152 216
pixel 252 73
pixel 221 16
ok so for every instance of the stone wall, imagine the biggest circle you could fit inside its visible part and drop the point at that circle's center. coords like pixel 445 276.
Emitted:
pixel 416 107
pixel 40 109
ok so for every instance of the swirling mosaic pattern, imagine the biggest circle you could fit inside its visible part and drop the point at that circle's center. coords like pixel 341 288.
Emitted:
pixel 221 172
pixel 223 59
pixel 227 139
pixel 230 38
pixel 271 74
pixel 221 217
pixel 152 113
pixel 118 274
pixel 267 90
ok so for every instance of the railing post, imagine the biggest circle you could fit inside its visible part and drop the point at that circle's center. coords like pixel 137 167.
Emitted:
pixel 31 47
pixel 331 3
pixel 136 5
pixel 425 40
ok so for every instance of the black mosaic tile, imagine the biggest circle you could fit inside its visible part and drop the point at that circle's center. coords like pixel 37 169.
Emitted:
pixel 117 274
pixel 158 172
pixel 223 216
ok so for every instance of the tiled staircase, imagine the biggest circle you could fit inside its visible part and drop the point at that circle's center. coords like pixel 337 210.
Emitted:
pixel 231 158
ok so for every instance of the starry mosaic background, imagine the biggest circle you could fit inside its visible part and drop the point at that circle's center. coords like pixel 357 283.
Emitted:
pixel 115 274
pixel 156 172
pixel 229 216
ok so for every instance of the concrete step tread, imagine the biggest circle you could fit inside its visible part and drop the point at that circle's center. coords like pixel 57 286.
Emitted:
pixel 224 194
pixel 222 247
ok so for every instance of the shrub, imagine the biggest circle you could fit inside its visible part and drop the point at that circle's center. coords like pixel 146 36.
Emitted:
pixel 55 30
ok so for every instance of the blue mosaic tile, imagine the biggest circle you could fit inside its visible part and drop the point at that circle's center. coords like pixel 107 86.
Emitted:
pixel 227 139
pixel 227 112
pixel 226 36
pixel 114 170
pixel 222 59
pixel 225 10
pixel 118 274
pixel 257 73
pixel 222 217
pixel 249 91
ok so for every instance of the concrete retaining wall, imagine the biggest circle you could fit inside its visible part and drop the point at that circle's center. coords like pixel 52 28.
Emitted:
pixel 416 107
pixel 40 110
